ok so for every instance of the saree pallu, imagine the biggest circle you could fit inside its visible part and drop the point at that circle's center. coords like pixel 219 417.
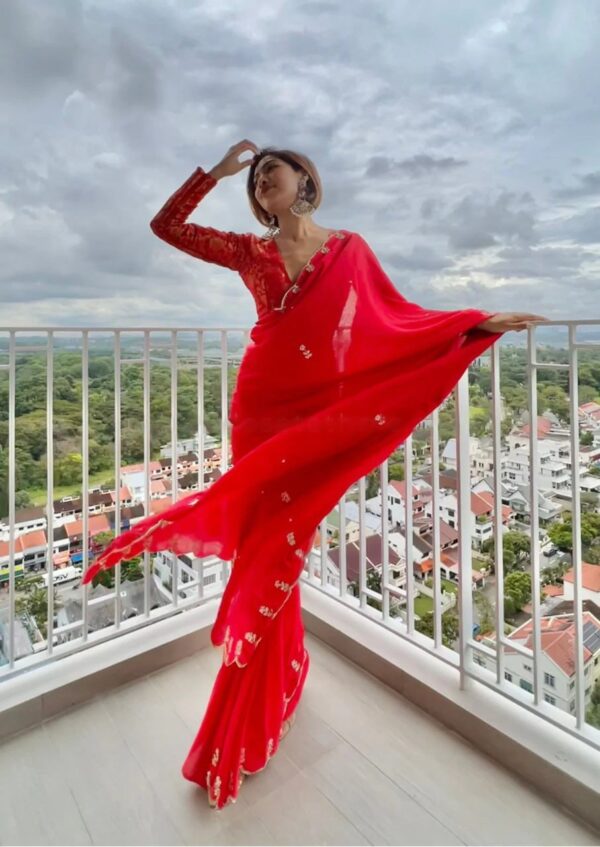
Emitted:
pixel 326 390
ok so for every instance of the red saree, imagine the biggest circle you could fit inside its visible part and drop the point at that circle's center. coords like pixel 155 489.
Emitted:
pixel 339 370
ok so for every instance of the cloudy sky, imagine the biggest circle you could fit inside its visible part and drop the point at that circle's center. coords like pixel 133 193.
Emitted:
pixel 459 138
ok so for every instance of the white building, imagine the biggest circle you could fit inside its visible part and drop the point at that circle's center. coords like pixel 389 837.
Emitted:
pixel 191 568
pixel 553 474
pixel 481 515
pixel 134 477
pixel 188 445
pixel 26 520
pixel 557 658
pixel 396 501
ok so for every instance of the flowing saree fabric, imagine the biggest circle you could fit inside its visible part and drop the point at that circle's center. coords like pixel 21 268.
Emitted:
pixel 329 385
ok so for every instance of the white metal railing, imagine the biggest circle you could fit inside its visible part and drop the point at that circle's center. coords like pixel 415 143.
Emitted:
pixel 11 668
pixel 403 625
pixel 463 659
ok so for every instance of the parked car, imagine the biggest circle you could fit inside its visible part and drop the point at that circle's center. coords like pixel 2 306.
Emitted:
pixel 551 551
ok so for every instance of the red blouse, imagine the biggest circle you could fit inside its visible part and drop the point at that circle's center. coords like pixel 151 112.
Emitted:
pixel 256 259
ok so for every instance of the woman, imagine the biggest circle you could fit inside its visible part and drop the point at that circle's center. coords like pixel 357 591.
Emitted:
pixel 339 370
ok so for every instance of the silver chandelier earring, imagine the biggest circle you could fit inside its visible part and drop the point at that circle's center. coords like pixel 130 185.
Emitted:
pixel 273 228
pixel 302 206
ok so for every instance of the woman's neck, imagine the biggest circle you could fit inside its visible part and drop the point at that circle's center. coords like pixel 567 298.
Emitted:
pixel 293 229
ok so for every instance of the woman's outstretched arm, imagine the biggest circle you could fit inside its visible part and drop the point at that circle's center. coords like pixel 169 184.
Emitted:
pixel 228 249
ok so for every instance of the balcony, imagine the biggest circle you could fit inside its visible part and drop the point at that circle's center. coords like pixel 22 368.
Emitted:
pixel 362 765
pixel 401 736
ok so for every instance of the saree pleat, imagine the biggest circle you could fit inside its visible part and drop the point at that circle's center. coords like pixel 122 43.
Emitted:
pixel 250 709
pixel 326 390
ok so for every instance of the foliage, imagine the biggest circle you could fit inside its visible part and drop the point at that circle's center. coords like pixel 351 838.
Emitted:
pixel 450 627
pixel 516 546
pixel 30 416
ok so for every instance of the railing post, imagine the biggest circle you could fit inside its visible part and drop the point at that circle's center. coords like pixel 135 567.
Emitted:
pixel 534 488
pixel 465 592
pixel 576 530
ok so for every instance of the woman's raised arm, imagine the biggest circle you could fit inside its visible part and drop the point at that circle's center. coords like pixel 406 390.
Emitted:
pixel 229 249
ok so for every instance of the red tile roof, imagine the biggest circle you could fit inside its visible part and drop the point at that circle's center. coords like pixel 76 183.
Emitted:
pixel 558 639
pixel 25 541
pixel 543 427
pixel 590 576
pixel 96 524
pixel 400 487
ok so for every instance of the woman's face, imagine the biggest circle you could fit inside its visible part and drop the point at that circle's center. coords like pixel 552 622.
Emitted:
pixel 275 184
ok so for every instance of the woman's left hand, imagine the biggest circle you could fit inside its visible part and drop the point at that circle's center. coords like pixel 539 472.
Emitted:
pixel 507 321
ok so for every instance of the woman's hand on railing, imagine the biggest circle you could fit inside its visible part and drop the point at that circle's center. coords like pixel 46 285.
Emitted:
pixel 230 164
pixel 507 321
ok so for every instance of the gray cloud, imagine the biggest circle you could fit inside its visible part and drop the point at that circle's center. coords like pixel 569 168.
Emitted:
pixel 421 257
pixel 542 263
pixel 589 186
pixel 420 165
pixel 465 152
pixel 582 227
pixel 475 222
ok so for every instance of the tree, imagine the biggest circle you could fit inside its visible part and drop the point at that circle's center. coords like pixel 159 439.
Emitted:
pixel 553 574
pixel 516 546
pixel 589 501
pixel 517 592
pixel 372 486
pixel 396 472
pixel 479 421
pixel 554 399
pixel 487 620
pixel 593 713
pixel 374 584
pixel 22 500
pixel 131 569
pixel 561 534
pixel 516 398
pixel 450 627
pixel 67 471
pixel 587 393
pixel 34 603
pixel 593 555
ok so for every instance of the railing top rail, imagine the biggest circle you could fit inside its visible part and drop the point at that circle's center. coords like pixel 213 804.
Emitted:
pixel 574 322
pixel 125 328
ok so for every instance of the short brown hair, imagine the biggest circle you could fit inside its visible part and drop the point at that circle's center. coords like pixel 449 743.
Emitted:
pixel 314 190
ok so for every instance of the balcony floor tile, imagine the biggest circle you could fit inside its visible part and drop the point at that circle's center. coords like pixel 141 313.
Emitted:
pixel 361 765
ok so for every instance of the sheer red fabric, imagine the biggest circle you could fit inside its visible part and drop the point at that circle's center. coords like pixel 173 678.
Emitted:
pixel 339 370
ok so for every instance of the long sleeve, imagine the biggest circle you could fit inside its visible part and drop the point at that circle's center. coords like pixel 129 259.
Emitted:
pixel 229 249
